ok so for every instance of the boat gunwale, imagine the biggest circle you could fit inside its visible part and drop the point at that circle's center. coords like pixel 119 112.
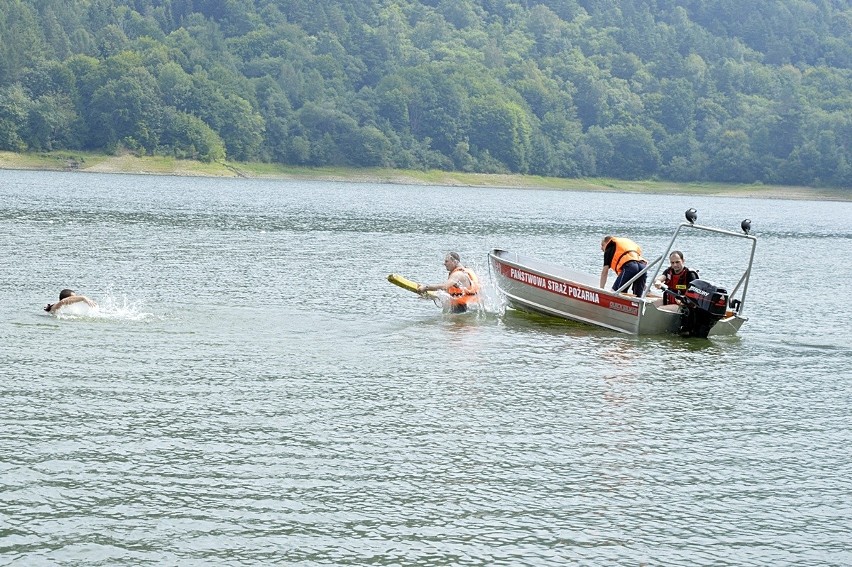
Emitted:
pixel 553 271
pixel 629 326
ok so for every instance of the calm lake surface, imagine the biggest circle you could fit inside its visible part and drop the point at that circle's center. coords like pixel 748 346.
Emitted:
pixel 253 391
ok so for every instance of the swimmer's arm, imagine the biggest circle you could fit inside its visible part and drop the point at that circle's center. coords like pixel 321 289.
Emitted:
pixel 71 300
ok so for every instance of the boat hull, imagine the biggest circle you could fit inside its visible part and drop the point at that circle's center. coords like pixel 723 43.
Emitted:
pixel 534 285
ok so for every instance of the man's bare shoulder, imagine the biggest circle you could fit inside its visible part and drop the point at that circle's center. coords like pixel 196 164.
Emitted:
pixel 74 299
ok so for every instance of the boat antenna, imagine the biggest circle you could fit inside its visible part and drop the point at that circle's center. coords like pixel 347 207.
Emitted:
pixel 746 225
pixel 691 215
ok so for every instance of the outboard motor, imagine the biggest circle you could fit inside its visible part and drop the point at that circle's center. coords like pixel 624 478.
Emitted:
pixel 704 305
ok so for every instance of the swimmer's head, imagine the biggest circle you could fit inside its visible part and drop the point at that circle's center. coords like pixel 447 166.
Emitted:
pixel 65 293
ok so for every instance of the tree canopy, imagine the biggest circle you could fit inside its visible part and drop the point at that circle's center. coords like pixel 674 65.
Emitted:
pixel 686 90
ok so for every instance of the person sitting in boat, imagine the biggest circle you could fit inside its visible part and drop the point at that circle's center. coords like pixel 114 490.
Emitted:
pixel 462 284
pixel 68 297
pixel 676 278
pixel 624 257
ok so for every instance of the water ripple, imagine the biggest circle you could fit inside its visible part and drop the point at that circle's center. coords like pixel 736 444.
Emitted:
pixel 258 394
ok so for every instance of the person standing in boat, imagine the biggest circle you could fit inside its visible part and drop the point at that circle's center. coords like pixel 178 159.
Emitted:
pixel 624 257
pixel 68 297
pixel 462 284
pixel 676 278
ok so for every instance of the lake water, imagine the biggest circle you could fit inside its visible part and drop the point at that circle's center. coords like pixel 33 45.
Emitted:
pixel 253 391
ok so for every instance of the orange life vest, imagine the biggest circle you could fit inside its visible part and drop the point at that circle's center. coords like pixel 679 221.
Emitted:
pixel 625 251
pixel 465 295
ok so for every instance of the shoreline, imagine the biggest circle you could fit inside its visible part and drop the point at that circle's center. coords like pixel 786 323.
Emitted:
pixel 154 165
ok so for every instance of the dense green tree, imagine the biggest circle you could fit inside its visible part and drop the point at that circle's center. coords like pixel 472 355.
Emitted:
pixel 635 156
pixel 21 38
pixel 111 41
pixel 176 86
pixel 188 137
pixel 241 127
pixel 503 129
pixel 677 105
pixel 368 146
pixel 277 114
pixel 730 156
pixel 53 123
pixel 678 89
pixel 14 111
pixel 437 106
pixel 127 110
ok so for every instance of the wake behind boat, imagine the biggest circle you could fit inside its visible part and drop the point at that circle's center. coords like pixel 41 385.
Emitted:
pixel 535 285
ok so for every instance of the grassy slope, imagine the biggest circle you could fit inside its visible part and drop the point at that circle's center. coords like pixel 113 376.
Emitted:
pixel 100 163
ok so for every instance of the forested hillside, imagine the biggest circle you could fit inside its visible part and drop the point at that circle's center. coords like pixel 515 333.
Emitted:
pixel 721 90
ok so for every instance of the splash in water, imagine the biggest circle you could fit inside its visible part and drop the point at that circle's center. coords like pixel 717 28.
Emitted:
pixel 489 303
pixel 111 307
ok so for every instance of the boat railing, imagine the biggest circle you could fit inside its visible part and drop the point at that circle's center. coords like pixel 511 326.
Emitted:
pixel 733 302
pixel 638 275
pixel 737 304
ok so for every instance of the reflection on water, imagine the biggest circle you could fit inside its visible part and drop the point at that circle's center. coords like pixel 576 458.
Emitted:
pixel 252 389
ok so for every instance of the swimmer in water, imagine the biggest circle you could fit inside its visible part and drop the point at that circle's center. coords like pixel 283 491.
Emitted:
pixel 68 297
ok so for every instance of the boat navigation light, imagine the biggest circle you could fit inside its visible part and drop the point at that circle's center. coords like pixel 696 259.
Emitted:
pixel 746 225
pixel 691 215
